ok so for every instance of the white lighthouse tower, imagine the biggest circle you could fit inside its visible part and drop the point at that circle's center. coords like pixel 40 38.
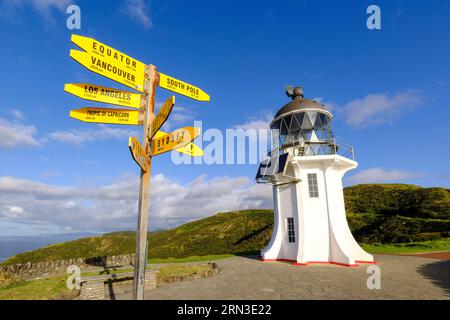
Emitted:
pixel 306 167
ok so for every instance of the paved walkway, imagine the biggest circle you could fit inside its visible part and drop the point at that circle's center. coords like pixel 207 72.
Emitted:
pixel 402 277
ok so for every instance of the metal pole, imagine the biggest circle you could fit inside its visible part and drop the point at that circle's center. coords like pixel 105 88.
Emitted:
pixel 144 192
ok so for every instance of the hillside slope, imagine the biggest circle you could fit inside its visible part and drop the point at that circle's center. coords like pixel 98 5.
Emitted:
pixel 389 213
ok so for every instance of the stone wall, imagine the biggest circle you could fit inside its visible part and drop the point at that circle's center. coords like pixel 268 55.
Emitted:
pixel 42 269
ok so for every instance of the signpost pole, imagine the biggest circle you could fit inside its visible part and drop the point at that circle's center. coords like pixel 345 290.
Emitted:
pixel 144 192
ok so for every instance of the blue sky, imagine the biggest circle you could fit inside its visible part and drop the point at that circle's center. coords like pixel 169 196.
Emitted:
pixel 388 90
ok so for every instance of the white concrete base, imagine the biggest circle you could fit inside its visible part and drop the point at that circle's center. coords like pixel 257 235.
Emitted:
pixel 322 234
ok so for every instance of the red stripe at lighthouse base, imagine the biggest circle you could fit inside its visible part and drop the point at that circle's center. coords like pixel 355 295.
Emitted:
pixel 295 263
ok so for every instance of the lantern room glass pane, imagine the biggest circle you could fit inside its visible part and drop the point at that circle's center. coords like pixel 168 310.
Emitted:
pixel 318 124
pixel 295 124
pixel 324 120
pixel 306 123
pixel 312 117
pixel 285 123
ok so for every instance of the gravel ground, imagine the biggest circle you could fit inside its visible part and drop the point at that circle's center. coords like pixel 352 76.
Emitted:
pixel 402 277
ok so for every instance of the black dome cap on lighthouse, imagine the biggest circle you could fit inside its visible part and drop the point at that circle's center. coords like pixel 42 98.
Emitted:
pixel 298 102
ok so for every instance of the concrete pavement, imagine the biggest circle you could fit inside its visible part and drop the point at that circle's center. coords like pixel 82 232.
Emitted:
pixel 402 277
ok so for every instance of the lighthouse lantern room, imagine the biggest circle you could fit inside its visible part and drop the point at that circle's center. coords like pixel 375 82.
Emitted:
pixel 305 168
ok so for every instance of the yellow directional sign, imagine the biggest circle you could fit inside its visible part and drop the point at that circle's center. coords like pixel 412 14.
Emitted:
pixel 109 69
pixel 177 139
pixel 138 153
pixel 162 116
pixel 110 116
pixel 109 54
pixel 181 87
pixel 105 95
pixel 191 149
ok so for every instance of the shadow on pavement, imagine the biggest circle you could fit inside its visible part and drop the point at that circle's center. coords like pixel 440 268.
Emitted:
pixel 249 255
pixel 438 272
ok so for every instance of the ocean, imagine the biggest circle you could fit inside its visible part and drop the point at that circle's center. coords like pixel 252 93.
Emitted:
pixel 10 246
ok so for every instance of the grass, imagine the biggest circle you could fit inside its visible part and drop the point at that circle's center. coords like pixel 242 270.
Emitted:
pixel 192 259
pixel 110 271
pixel 44 289
pixel 55 287
pixel 166 274
pixel 413 247
pixel 166 261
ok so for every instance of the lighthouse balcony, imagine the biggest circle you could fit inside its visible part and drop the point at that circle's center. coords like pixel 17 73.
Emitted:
pixel 299 148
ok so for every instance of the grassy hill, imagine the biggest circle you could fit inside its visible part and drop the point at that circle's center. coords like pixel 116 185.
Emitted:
pixel 397 213
pixel 388 213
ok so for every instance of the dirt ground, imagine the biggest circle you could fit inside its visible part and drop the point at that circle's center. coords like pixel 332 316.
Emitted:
pixel 435 255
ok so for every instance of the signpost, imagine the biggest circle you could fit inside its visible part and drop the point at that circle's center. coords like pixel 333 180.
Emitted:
pixel 106 95
pixel 110 56
pixel 181 87
pixel 162 116
pixel 126 70
pixel 110 116
pixel 138 153
pixel 177 139
pixel 191 149
pixel 144 192
pixel 110 69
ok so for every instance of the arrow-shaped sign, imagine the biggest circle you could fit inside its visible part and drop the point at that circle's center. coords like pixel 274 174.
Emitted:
pixel 110 116
pixel 191 149
pixel 161 117
pixel 109 54
pixel 105 95
pixel 138 153
pixel 181 87
pixel 110 69
pixel 177 139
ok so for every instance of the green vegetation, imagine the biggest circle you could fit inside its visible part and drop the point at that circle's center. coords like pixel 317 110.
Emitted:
pixel 166 273
pixel 397 213
pixel 44 289
pixel 399 199
pixel 82 248
pixel 413 247
pixel 55 288
pixel 192 259
pixel 385 218
pixel 224 234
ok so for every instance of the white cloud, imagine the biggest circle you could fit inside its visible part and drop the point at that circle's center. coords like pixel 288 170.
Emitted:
pixel 80 137
pixel 376 175
pixel 330 106
pixel 14 134
pixel 138 10
pixel 44 5
pixel 114 206
pixel 13 211
pixel 261 122
pixel 17 114
pixel 376 109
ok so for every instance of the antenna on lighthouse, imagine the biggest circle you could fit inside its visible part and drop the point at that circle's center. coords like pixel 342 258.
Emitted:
pixel 293 92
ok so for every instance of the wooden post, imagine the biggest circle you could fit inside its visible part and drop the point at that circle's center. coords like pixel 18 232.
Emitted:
pixel 144 192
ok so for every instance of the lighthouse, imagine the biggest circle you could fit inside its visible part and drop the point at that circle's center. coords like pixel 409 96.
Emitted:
pixel 305 168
